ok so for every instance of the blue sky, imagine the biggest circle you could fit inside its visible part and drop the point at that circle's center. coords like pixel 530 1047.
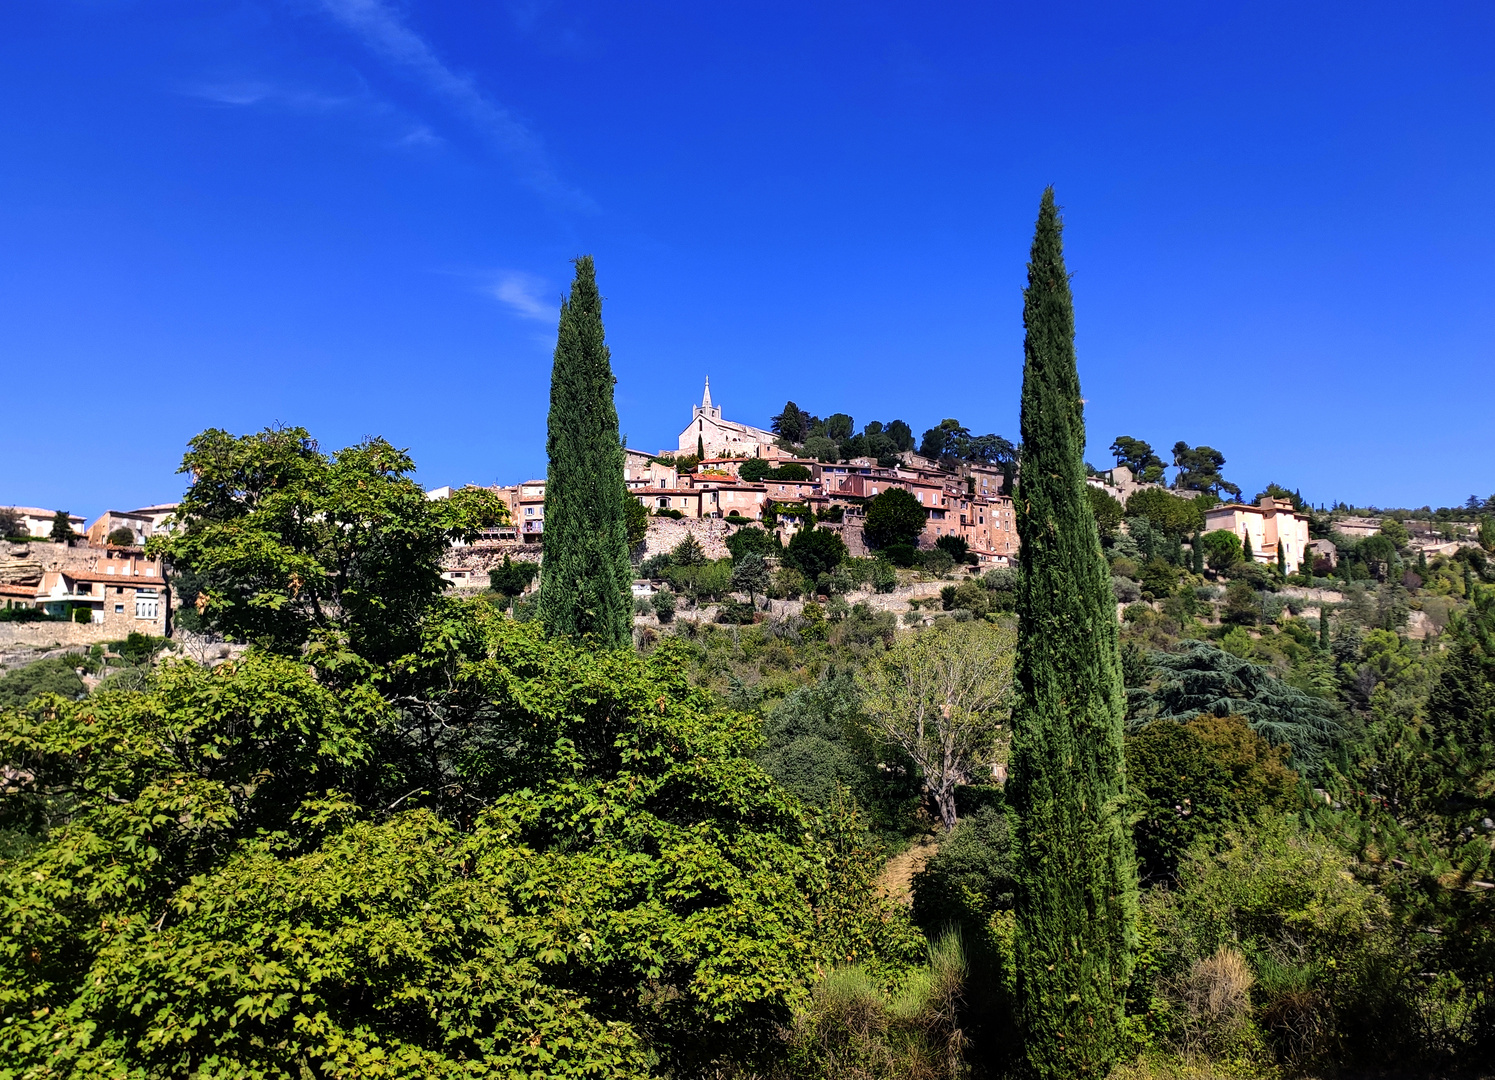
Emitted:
pixel 358 216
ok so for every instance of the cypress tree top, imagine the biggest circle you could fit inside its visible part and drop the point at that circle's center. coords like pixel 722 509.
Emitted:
pixel 1076 888
pixel 584 577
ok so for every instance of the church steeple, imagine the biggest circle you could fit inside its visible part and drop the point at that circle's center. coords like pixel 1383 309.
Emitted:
pixel 706 398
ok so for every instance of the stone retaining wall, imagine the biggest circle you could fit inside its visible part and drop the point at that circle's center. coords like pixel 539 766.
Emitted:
pixel 43 635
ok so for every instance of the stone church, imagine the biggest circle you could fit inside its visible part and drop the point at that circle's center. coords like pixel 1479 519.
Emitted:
pixel 708 432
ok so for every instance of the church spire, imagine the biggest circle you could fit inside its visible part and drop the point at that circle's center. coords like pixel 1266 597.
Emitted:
pixel 706 398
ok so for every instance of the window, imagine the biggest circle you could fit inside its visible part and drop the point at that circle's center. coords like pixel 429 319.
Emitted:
pixel 150 571
pixel 119 609
pixel 529 511
pixel 109 570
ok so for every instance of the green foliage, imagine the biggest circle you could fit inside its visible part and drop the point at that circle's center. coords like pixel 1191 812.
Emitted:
pixel 287 544
pixel 822 449
pixel 512 578
pixel 1199 470
pixel 11 524
pixel 1316 937
pixel 584 579
pixel 62 528
pixel 969 881
pixel 55 675
pixel 954 546
pixel 1222 549
pixel 1190 780
pixel 751 575
pixel 622 884
pixel 1076 915
pixel 751 540
pixel 664 605
pixel 121 537
pixel 688 552
pixel 636 517
pixel 815 745
pixel 1200 678
pixel 792 425
pixel 814 552
pixel 1138 456
pixel 1171 515
pixel 1107 510
pixel 894 517
pixel 857 1027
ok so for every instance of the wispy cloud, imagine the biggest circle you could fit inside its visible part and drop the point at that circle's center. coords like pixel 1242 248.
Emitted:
pixel 521 292
pixel 381 29
pixel 245 93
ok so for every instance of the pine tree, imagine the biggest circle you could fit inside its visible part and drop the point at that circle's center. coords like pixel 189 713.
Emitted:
pixel 585 575
pixel 1076 895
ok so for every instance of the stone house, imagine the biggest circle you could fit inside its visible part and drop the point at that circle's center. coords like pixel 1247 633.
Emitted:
pixel 121 589
pixel 37 522
pixel 1271 522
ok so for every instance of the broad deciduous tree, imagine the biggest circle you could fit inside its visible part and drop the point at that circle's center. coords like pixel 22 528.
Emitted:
pixel 942 696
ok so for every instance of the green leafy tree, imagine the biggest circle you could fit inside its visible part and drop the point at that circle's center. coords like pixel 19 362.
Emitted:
pixel 584 590
pixel 751 540
pixel 193 892
pixel 814 552
pixel 62 528
pixel 894 517
pixel 1138 456
pixel 1197 550
pixel 790 471
pixel 637 519
pixel 1200 679
pixel 688 552
pixel 901 434
pixel 822 449
pixel 285 543
pixel 1199 470
pixel 511 579
pixel 754 470
pixel 1222 549
pixel 792 425
pixel 11 524
pixel 751 575
pixel 55 675
pixel 941 441
pixel 1107 511
pixel 1076 896
pixel 121 537
pixel 1487 533
pixel 942 697
pixel 955 546
pixel 1171 515
pixel 1192 778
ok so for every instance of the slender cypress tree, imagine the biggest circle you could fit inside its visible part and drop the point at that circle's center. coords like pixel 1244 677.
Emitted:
pixel 1281 558
pixel 585 574
pixel 1076 897
pixel 1197 551
pixel 1324 627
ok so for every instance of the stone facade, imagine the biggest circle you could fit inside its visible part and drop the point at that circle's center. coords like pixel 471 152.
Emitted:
pixel 121 589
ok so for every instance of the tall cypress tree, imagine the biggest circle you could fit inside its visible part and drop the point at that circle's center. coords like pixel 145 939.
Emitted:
pixel 585 575
pixel 1076 896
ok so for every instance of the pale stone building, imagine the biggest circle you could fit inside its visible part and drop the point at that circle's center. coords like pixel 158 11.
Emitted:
pixel 1264 526
pixel 721 438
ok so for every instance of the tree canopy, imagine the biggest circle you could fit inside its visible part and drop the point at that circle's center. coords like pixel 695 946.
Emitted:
pixel 287 543
pixel 894 516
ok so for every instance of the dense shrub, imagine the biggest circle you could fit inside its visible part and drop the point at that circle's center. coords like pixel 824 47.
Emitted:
pixel 1191 780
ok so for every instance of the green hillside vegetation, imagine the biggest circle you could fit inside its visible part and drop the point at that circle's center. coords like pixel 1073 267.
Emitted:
pixel 1141 806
